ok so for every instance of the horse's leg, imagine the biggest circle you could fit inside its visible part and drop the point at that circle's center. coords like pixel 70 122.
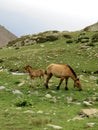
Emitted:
pixel 47 80
pixel 66 80
pixel 32 81
pixel 61 80
pixel 41 79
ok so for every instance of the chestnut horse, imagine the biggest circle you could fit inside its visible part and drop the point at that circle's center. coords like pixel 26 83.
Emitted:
pixel 34 73
pixel 63 72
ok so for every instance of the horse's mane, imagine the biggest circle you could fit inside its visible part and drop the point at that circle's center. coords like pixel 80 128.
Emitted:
pixel 72 71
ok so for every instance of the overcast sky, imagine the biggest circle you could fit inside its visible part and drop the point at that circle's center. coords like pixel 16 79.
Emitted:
pixel 23 17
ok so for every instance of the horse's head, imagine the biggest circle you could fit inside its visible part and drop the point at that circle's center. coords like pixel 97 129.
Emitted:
pixel 27 68
pixel 77 84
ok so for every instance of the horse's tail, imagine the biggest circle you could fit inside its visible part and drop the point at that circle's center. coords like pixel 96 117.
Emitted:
pixel 46 72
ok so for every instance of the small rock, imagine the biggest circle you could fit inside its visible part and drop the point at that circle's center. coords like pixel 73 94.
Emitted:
pixel 17 92
pixel 89 112
pixel 40 112
pixel 54 127
pixel 90 124
pixel 78 117
pixel 86 103
pixel 54 99
pixel 69 99
pixel 22 83
pixel 48 96
pixel 17 73
pixel 2 87
pixel 29 111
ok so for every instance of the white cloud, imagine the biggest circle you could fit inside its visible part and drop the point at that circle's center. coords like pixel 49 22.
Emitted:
pixel 48 14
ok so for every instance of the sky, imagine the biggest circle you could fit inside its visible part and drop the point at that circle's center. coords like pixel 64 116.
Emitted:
pixel 23 17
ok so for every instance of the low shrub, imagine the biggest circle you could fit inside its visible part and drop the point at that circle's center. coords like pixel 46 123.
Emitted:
pixel 95 38
pixel 23 103
pixel 69 41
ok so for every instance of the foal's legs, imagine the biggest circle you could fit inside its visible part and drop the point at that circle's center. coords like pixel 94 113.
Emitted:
pixel 66 81
pixel 47 80
pixel 32 82
pixel 61 80
pixel 41 80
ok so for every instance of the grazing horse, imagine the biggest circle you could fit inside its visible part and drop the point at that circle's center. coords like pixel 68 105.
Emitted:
pixel 34 73
pixel 63 72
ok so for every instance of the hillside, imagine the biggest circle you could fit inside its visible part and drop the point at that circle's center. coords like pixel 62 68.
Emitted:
pixel 37 108
pixel 5 36
pixel 93 27
pixel 87 35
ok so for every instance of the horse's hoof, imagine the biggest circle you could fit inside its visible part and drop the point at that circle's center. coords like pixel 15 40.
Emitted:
pixel 47 87
pixel 66 88
pixel 58 88
pixel 80 89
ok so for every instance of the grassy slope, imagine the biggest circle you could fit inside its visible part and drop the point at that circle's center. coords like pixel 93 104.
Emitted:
pixel 55 110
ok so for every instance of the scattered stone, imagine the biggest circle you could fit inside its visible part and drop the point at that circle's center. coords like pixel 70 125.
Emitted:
pixel 93 77
pixel 77 103
pixel 86 103
pixel 85 113
pixel 22 83
pixel 42 45
pixel 89 112
pixel 53 92
pixel 18 108
pixel 78 117
pixel 40 112
pixel 90 124
pixel 54 99
pixel 48 96
pixel 69 99
pixel 55 127
pixel 17 73
pixel 2 87
pixel 29 111
pixel 33 92
pixel 17 92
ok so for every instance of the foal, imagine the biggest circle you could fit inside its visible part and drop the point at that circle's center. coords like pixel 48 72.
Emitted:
pixel 34 73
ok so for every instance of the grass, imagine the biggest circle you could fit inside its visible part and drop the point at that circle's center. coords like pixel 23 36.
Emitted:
pixel 32 109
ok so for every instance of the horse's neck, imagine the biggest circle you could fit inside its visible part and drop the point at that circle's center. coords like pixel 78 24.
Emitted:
pixel 73 77
pixel 30 70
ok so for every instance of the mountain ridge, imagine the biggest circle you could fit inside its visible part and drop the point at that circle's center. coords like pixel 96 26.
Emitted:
pixel 8 38
pixel 5 36
pixel 92 28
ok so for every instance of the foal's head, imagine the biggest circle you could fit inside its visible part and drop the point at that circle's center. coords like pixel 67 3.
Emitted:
pixel 27 68
pixel 78 84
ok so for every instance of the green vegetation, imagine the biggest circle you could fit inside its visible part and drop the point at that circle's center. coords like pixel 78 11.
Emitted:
pixel 24 107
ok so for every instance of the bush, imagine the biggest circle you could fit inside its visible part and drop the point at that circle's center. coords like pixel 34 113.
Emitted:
pixel 95 38
pixel 82 39
pixel 23 103
pixel 97 81
pixel 67 36
pixel 69 41
pixel 41 39
pixel 52 37
pixel 91 44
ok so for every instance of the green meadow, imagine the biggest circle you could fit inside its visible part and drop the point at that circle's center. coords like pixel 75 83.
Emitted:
pixel 23 107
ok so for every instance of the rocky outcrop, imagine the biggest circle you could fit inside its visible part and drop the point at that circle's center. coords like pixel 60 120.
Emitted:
pixel 5 36
pixel 93 28
pixel 36 38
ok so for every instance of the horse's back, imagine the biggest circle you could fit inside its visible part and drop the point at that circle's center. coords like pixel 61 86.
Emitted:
pixel 58 70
